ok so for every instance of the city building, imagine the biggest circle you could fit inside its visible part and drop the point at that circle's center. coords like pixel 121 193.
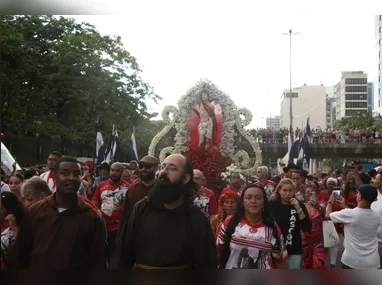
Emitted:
pixel 351 94
pixel 306 101
pixel 370 97
pixel 273 123
pixel 330 107
pixel 377 108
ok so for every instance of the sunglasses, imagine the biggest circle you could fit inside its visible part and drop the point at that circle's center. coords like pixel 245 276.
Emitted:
pixel 145 166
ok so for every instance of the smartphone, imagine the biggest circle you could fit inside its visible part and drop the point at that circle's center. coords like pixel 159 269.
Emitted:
pixel 313 196
pixel 336 193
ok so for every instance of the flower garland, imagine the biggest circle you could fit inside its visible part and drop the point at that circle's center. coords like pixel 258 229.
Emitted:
pixel 211 163
pixel 245 160
pixel 164 152
pixel 231 117
pixel 251 140
pixel 171 123
pixel 233 168
pixel 229 112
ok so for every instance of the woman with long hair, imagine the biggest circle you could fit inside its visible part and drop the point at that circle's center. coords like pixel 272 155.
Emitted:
pixel 292 217
pixel 350 193
pixel 15 183
pixel 250 238
pixel 314 253
pixel 226 206
pixel 323 198
pixel 12 220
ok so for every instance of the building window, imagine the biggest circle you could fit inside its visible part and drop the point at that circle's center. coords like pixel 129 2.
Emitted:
pixel 355 97
pixel 352 89
pixel 355 81
pixel 356 105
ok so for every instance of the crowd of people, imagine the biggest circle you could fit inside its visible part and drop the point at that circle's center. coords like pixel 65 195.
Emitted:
pixel 147 215
pixel 322 136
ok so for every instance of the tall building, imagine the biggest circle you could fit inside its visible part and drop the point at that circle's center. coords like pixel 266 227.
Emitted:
pixel 306 101
pixel 370 97
pixel 330 107
pixel 351 94
pixel 273 123
pixel 377 107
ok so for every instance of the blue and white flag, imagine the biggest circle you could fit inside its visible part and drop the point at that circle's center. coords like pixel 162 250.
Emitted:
pixel 109 149
pixel 133 146
pixel 116 146
pixel 100 152
pixel 286 158
pixel 304 152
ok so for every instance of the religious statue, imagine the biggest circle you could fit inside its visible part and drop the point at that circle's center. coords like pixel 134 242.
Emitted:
pixel 207 128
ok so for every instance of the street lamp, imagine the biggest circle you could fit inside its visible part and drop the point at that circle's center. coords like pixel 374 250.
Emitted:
pixel 290 76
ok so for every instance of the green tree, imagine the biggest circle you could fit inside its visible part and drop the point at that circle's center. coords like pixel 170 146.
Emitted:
pixel 360 122
pixel 59 76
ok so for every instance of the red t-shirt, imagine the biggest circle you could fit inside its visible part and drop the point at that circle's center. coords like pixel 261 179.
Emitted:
pixel 111 198
pixel 268 187
pixel 231 189
pixel 206 202
pixel 323 197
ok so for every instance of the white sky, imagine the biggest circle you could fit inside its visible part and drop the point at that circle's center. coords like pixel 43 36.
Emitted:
pixel 240 47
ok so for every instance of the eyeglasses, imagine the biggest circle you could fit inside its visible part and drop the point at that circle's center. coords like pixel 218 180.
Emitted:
pixel 144 166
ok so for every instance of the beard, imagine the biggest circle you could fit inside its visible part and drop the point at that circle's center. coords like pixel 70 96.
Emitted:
pixel 165 191
pixel 147 176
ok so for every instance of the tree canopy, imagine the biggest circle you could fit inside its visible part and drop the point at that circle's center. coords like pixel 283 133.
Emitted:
pixel 360 122
pixel 59 76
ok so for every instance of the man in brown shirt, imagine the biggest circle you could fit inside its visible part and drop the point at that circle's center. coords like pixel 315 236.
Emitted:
pixel 148 166
pixel 64 232
pixel 165 230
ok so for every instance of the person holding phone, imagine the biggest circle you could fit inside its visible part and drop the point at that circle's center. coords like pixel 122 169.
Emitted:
pixel 314 254
pixel 330 184
pixel 360 227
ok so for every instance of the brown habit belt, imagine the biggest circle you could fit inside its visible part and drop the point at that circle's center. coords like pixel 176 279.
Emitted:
pixel 141 266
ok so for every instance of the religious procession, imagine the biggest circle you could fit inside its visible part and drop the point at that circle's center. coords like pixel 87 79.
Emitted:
pixel 194 189
pixel 196 204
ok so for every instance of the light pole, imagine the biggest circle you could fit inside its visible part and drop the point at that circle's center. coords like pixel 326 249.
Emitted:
pixel 290 78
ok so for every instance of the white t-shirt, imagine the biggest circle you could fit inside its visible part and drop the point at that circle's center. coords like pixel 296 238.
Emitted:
pixel 360 231
pixel 60 210
pixel 253 246
pixel 5 187
pixel 377 206
pixel 48 177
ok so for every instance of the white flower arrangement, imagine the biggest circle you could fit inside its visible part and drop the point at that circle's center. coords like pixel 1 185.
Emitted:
pixel 231 118
pixel 245 160
pixel 228 109
pixel 252 141
pixel 164 152
pixel 170 124
pixel 233 168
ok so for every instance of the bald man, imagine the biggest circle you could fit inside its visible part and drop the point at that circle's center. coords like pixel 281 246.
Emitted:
pixel 109 198
pixel 204 198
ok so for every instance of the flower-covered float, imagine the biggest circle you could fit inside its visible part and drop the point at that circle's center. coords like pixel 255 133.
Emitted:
pixel 207 123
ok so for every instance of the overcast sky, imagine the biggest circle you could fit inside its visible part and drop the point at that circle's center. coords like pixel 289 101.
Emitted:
pixel 240 47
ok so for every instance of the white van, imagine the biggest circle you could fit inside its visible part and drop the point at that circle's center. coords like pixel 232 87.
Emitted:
pixel 7 160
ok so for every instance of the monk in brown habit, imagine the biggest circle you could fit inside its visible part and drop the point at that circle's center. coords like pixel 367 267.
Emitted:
pixel 165 230
pixel 63 232
pixel 148 166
